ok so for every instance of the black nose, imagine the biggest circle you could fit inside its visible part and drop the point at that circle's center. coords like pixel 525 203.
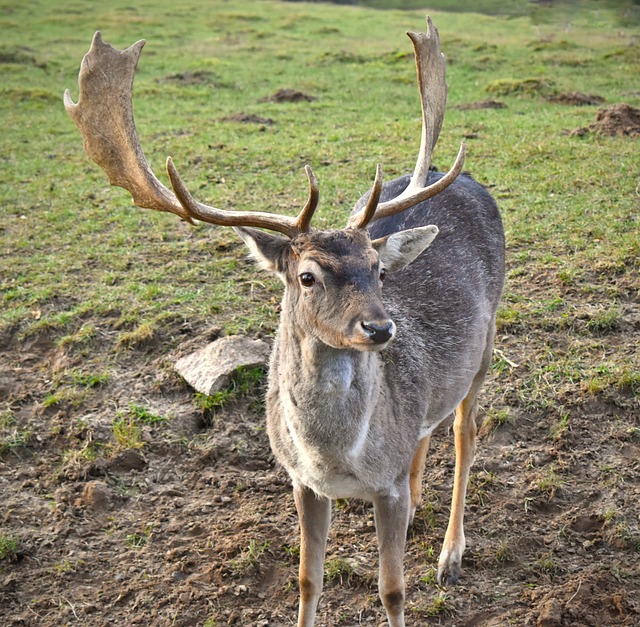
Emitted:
pixel 379 333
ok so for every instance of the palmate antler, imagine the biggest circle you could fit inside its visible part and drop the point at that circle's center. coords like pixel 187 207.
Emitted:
pixel 430 68
pixel 104 115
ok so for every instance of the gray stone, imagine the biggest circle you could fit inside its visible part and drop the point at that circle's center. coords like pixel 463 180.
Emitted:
pixel 209 369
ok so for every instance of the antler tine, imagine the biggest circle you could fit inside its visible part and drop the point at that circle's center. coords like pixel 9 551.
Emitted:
pixel 403 202
pixel 430 68
pixel 104 115
pixel 274 222
pixel 432 84
pixel 303 221
pixel 369 211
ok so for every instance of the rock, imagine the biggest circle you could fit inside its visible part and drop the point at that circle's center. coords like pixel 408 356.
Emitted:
pixel 209 369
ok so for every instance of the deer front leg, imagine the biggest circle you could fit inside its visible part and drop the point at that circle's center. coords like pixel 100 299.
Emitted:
pixel 314 513
pixel 464 428
pixel 392 519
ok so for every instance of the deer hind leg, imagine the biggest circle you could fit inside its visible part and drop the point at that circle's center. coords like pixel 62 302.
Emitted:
pixel 314 513
pixel 464 429
pixel 415 476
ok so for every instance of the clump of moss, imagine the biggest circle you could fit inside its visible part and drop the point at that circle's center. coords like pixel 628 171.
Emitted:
pixel 525 86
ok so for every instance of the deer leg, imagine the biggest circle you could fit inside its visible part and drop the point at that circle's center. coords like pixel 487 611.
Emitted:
pixel 415 476
pixel 314 513
pixel 392 518
pixel 464 430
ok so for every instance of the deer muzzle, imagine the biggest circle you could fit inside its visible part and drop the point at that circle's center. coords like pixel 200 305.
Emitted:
pixel 379 332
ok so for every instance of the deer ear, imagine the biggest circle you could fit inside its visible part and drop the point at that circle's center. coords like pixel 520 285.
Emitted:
pixel 267 249
pixel 399 249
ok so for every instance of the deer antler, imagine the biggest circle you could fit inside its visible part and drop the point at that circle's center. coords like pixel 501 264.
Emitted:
pixel 430 68
pixel 104 115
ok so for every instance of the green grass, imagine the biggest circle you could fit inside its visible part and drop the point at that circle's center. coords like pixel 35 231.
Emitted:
pixel 547 565
pixel 143 415
pixel 549 483
pixel 249 558
pixel 497 418
pixel 127 432
pixel 440 605
pixel 12 435
pixel 127 427
pixel 244 382
pixel 9 545
pixel 560 428
pixel 338 570
pixel 90 380
pixel 102 279
pixel 503 553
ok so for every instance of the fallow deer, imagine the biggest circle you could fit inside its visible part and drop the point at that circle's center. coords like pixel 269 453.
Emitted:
pixel 360 375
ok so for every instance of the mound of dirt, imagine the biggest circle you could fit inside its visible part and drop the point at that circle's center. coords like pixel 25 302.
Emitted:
pixel 288 95
pixel 199 77
pixel 576 99
pixel 19 55
pixel 616 120
pixel 483 104
pixel 584 599
pixel 247 118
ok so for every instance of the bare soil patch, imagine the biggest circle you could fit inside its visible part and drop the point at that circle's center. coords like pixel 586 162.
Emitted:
pixel 576 99
pixel 19 55
pixel 199 77
pixel 483 104
pixel 616 120
pixel 198 523
pixel 288 95
pixel 248 118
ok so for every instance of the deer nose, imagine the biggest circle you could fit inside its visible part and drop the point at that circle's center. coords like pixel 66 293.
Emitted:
pixel 379 333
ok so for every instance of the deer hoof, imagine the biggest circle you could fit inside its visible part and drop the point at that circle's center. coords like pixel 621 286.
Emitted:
pixel 449 567
pixel 412 516
pixel 448 574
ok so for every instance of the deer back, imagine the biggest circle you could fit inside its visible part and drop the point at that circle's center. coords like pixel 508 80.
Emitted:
pixel 445 302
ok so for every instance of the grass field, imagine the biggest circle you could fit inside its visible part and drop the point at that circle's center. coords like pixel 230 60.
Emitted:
pixel 359 70
pixel 96 292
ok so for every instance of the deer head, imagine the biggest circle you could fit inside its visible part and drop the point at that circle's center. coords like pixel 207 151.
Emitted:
pixel 333 280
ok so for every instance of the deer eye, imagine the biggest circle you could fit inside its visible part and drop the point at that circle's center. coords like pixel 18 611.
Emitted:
pixel 307 279
pixel 383 274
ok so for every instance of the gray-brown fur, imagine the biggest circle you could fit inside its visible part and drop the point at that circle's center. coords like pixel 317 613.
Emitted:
pixel 324 389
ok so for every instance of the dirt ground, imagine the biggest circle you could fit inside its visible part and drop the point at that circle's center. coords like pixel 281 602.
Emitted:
pixel 194 524
pixel 197 526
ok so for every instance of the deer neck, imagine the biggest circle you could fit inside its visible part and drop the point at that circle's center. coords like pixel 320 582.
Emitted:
pixel 328 394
